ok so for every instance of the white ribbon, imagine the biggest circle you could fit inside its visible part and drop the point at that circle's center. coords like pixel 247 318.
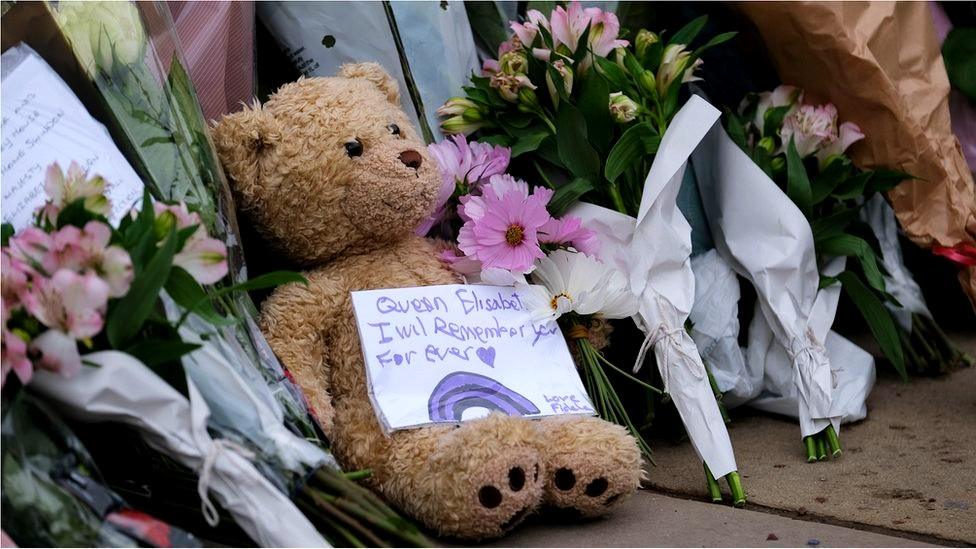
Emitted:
pixel 673 342
pixel 206 475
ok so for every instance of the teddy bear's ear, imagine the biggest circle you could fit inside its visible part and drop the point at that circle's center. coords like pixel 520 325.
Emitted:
pixel 241 138
pixel 375 74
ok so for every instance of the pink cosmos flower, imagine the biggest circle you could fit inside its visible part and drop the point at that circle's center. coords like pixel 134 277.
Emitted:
pixel 502 225
pixel 569 231
pixel 88 250
pixel 205 258
pixel 14 352
pixel 63 189
pixel 848 134
pixel 464 166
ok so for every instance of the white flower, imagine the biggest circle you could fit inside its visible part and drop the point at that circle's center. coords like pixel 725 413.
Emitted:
pixel 575 282
pixel 102 32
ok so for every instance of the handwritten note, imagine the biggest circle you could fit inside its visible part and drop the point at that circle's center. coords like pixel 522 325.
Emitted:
pixel 44 123
pixel 445 354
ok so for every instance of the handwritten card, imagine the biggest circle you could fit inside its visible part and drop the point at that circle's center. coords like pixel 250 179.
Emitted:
pixel 44 123
pixel 445 354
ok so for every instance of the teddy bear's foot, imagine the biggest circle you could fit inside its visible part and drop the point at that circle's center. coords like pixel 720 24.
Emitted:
pixel 481 479
pixel 592 465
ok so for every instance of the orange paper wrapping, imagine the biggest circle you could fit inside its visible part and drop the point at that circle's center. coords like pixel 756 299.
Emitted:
pixel 880 63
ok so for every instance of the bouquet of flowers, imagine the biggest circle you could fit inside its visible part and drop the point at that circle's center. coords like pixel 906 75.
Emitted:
pixel 72 283
pixel 582 112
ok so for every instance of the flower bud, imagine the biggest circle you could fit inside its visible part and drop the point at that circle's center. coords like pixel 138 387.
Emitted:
pixel 768 144
pixel 619 54
pixel 643 42
pixel 777 163
pixel 457 124
pixel 455 106
pixel 514 62
pixel 622 108
pixel 164 223
pixel 528 100
pixel 647 82
pixel 473 115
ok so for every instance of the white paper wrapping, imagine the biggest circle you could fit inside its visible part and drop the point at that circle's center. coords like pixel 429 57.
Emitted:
pixel 654 250
pixel 122 389
pixel 899 282
pixel 767 240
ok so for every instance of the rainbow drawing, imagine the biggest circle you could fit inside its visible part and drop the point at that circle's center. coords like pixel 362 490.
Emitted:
pixel 459 391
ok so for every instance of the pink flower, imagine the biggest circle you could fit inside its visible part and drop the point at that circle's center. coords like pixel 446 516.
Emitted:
pixel 527 32
pixel 782 96
pixel 508 85
pixel 809 126
pixel 490 67
pixel 63 189
pixel 848 134
pixel 14 352
pixel 569 231
pixel 205 258
pixel 33 249
pixel 88 250
pixel 57 352
pixel 502 225
pixel 604 28
pixel 69 302
pixel 464 166
pixel 13 281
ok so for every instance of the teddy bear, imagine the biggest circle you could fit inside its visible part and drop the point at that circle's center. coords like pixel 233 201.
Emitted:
pixel 334 178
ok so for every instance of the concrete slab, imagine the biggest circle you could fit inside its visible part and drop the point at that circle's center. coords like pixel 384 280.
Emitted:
pixel 655 520
pixel 910 467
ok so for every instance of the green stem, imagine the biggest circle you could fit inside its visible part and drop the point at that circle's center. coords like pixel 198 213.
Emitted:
pixel 714 491
pixel 735 486
pixel 620 371
pixel 811 447
pixel 615 198
pixel 821 446
pixel 833 441
pixel 359 475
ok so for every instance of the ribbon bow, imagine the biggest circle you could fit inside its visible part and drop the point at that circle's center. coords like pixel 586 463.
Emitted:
pixel 963 253
pixel 674 341
pixel 219 446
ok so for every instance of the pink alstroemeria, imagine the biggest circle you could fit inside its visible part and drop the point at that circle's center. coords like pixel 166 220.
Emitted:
pixel 33 248
pixel 14 352
pixel 464 166
pixel 63 189
pixel 848 134
pixel 88 250
pixel 604 29
pixel 569 231
pixel 528 31
pixel 568 26
pixel 782 96
pixel 502 225
pixel 69 302
pixel 13 280
pixel 809 126
pixel 205 258
pixel 57 352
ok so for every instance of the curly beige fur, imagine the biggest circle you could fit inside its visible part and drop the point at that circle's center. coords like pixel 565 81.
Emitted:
pixel 348 220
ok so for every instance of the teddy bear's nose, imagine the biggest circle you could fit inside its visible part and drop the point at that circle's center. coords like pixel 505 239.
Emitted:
pixel 411 159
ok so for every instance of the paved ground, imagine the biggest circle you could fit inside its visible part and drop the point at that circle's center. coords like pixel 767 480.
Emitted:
pixel 910 467
pixel 655 520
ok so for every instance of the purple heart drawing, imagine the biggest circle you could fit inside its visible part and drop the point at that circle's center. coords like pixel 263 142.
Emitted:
pixel 487 355
pixel 397 359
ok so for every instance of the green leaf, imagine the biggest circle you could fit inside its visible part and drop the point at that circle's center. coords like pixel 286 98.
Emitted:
pixel 833 224
pixel 688 32
pixel 737 130
pixel 497 139
pixel 157 352
pixel 7 231
pixel 582 47
pixel 838 170
pixel 267 280
pixel 773 119
pixel 853 246
pixel 188 293
pixel 528 143
pixel 488 23
pixel 877 318
pixel 615 76
pixel 567 195
pixel 628 150
pixel 132 309
pixel 714 41
pixel 574 150
pixel 959 54
pixel 76 214
pixel 158 140
pixel 852 187
pixel 797 184
pixel 594 103
pixel 885 180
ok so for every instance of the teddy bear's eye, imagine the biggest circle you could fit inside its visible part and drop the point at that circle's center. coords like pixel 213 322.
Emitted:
pixel 394 129
pixel 354 148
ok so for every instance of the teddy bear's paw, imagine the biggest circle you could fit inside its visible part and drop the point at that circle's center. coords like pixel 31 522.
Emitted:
pixel 592 465
pixel 490 477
